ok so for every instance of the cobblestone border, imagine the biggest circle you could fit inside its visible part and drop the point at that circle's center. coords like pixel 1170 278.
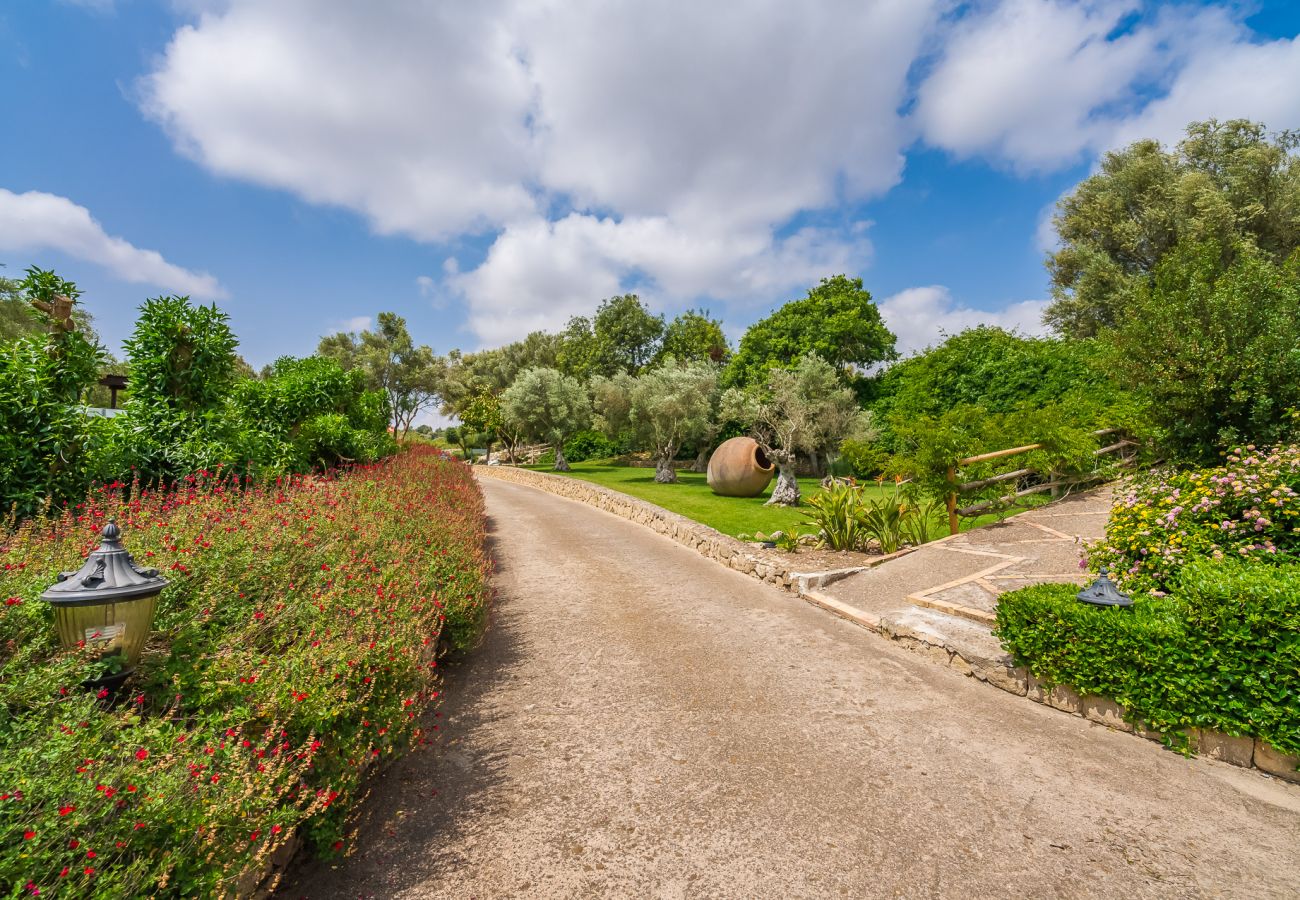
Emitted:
pixel 997 671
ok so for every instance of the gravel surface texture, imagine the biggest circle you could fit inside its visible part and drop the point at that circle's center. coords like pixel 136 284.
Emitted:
pixel 642 722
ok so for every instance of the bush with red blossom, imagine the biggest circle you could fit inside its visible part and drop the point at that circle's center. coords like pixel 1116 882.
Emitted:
pixel 296 645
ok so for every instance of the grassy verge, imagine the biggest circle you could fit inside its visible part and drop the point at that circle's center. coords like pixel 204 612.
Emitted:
pixel 692 498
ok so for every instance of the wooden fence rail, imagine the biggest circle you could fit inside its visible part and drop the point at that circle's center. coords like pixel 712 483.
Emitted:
pixel 1053 483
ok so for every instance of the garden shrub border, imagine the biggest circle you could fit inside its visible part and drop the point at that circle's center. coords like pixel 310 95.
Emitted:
pixel 313 646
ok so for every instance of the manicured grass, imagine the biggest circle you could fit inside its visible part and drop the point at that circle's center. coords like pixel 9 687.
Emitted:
pixel 692 498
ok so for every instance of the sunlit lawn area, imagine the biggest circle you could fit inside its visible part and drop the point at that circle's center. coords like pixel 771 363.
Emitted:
pixel 692 498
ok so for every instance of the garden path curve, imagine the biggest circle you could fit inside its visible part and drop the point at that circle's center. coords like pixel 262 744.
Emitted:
pixel 643 722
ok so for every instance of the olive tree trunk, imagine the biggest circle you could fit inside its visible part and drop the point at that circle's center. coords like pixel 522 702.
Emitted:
pixel 701 463
pixel 561 464
pixel 664 471
pixel 786 490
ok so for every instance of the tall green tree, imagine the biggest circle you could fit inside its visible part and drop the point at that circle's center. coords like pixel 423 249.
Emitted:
pixel 182 363
pixel 1215 352
pixel 623 336
pixel 694 336
pixel 838 321
pixel 547 405
pixel 1230 183
pixel 483 414
pixel 410 375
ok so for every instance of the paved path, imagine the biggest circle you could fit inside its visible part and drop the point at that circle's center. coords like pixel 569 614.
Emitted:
pixel 641 722
pixel 963 575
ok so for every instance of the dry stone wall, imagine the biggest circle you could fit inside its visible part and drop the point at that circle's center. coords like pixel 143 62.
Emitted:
pixel 706 541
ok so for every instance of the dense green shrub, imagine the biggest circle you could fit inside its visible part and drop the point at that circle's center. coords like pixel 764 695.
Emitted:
pixel 1220 651
pixel 929 445
pixel 993 369
pixel 182 359
pixel 294 646
pixel 46 441
pixel 585 445
pixel 309 413
pixel 1215 350
pixel 862 459
pixel 1248 508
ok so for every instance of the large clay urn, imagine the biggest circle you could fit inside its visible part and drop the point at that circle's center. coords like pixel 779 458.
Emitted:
pixel 738 468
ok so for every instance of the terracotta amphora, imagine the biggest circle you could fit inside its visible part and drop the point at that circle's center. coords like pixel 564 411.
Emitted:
pixel 738 468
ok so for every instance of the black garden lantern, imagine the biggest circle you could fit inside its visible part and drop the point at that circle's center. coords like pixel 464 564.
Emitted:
pixel 108 604
pixel 1103 592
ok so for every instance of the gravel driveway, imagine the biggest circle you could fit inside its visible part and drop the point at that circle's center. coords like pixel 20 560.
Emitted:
pixel 641 722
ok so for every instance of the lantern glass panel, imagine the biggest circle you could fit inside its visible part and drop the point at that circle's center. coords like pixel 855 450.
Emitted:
pixel 111 628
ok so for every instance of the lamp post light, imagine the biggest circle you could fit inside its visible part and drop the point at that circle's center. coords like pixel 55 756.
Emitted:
pixel 108 604
pixel 1103 592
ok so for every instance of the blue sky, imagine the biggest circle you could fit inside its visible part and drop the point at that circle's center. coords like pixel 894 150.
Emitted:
pixel 484 169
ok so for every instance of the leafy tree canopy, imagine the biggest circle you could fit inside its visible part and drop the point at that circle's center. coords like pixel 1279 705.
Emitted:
pixel 410 376
pixel 622 337
pixel 1227 182
pixel 1215 352
pixel 546 405
pixel 838 321
pixel 991 368
pixel 694 336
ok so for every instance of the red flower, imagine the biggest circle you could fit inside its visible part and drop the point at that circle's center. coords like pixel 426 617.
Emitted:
pixel 254 836
pixel 142 754
pixel 28 834
pixel 91 854
pixel 64 810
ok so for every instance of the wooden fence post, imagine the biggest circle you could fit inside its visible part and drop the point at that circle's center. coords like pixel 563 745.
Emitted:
pixel 952 500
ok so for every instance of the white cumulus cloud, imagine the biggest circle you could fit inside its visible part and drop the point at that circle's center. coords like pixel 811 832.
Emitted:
pixel 604 145
pixel 674 148
pixel 35 221
pixel 1038 84
pixel 923 316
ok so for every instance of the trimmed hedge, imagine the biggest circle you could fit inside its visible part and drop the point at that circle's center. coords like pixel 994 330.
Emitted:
pixel 295 645
pixel 1220 651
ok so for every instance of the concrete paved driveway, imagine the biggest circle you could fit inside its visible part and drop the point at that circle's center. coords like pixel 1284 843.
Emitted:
pixel 641 722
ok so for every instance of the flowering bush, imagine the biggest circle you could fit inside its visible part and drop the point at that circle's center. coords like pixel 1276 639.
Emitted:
pixel 1248 508
pixel 296 644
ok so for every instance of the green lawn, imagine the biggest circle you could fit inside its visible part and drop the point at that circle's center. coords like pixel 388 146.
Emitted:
pixel 692 498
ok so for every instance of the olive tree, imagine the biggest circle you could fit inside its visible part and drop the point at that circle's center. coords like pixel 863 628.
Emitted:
pixel 799 410
pixel 663 408
pixel 1230 183
pixel 546 405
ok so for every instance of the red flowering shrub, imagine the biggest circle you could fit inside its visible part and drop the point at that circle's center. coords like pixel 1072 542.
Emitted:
pixel 295 645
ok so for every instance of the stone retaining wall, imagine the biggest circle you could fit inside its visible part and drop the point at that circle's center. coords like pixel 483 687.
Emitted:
pixel 706 541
